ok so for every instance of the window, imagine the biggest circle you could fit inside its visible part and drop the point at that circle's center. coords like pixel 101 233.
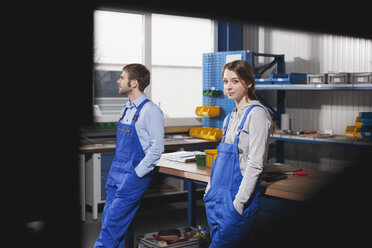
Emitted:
pixel 118 38
pixel 177 44
pixel 177 47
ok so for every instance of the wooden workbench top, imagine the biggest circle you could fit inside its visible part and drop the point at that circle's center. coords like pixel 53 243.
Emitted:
pixel 297 188
pixel 171 142
pixel 187 170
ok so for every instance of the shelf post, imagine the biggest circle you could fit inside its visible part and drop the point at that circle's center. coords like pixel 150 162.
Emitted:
pixel 280 99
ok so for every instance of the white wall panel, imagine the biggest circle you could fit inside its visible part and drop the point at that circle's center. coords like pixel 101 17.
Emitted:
pixel 320 53
pixel 318 110
pixel 345 54
pixel 321 110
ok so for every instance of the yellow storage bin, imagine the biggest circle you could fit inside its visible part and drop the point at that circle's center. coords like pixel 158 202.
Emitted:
pixel 211 154
pixel 208 133
pixel 358 123
pixel 354 131
pixel 357 133
pixel 349 131
pixel 208 111
pixel 195 132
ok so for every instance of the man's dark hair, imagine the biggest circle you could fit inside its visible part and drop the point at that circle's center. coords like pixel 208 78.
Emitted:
pixel 140 73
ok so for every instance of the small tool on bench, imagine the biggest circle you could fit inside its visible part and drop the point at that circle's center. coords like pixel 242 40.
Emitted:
pixel 306 132
pixel 299 172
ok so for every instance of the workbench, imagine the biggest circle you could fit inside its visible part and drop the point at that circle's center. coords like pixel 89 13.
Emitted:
pixel 295 188
pixel 171 142
pixel 90 173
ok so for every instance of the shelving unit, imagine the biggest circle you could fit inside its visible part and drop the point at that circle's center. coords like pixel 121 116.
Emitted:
pixel 212 66
pixel 314 87
pixel 335 140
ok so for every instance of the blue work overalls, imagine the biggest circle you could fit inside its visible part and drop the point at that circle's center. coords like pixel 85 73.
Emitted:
pixel 228 228
pixel 124 188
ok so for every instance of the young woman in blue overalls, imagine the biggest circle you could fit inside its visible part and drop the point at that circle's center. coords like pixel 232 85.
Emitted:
pixel 232 195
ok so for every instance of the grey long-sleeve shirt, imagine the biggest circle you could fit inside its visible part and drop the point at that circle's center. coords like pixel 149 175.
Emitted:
pixel 252 146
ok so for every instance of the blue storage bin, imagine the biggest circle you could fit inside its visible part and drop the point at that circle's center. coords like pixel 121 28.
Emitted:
pixel 289 78
pixel 366 132
pixel 259 80
pixel 366 118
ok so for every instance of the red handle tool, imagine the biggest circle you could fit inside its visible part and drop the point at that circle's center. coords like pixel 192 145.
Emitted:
pixel 296 173
pixel 299 172
pixel 308 132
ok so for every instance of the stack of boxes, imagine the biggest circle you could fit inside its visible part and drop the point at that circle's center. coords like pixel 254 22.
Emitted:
pixel 340 78
pixel 362 128
pixel 366 128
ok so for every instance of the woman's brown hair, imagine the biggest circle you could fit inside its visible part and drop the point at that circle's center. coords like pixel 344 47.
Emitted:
pixel 245 73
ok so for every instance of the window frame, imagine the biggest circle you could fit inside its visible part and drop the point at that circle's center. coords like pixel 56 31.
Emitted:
pixel 147 61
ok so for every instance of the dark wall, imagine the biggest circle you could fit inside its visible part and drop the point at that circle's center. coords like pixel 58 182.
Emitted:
pixel 46 95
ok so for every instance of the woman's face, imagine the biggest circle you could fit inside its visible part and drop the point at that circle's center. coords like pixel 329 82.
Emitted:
pixel 233 86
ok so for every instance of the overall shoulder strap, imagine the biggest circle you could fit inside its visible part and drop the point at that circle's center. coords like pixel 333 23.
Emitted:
pixel 136 115
pixel 240 127
pixel 225 128
pixel 122 116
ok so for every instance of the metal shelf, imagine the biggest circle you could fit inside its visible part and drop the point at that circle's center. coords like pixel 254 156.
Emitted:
pixel 313 86
pixel 336 140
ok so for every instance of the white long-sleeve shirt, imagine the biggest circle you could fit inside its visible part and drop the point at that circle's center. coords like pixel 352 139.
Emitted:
pixel 252 146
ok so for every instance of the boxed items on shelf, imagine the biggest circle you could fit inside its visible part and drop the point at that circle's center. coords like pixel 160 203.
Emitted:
pixel 317 78
pixel 338 78
pixel 362 128
pixel 288 78
pixel 361 78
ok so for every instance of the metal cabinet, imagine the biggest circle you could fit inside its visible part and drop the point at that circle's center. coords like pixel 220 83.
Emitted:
pixel 97 168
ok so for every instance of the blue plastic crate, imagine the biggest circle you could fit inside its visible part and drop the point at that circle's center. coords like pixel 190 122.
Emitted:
pixel 289 78
pixel 366 118
pixel 366 132
pixel 259 80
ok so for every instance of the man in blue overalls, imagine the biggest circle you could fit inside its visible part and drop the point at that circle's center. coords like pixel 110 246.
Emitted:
pixel 139 145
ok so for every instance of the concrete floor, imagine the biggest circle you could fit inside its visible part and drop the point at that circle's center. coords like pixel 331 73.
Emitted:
pixel 150 218
pixel 154 215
